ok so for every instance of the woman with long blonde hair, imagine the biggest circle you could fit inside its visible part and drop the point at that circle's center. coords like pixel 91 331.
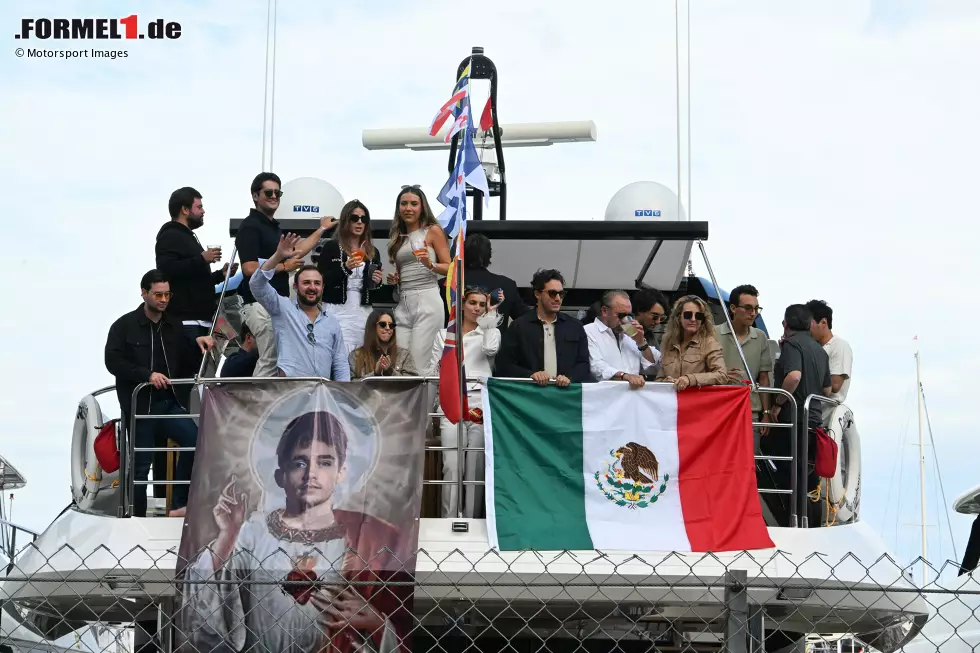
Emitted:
pixel 692 355
pixel 351 269
pixel 418 247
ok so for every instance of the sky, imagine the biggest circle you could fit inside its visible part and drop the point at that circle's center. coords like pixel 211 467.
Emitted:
pixel 832 152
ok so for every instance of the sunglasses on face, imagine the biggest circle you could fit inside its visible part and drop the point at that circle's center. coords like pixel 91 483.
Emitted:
pixel 270 193
pixel 358 218
pixel 555 294
pixel 623 316
pixel 750 309
pixel 691 315
pixel 161 295
pixel 386 325
pixel 309 334
pixel 658 318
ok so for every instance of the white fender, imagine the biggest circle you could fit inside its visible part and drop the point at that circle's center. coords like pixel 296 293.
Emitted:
pixel 86 475
pixel 844 490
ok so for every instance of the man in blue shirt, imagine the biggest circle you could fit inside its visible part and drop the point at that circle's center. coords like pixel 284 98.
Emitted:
pixel 309 341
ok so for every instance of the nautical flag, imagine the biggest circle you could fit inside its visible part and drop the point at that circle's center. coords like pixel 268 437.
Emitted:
pixel 446 110
pixel 486 118
pixel 468 169
pixel 462 84
pixel 450 367
pixel 600 466
pixel 461 122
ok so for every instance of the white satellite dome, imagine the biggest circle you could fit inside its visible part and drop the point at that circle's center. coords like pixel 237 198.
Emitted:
pixel 309 197
pixel 648 200
pixel 644 200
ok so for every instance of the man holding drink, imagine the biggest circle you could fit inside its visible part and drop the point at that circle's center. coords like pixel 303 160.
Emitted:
pixel 618 349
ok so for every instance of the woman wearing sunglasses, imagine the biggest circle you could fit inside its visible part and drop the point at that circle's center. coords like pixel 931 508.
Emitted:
pixel 420 251
pixel 692 355
pixel 380 354
pixel 351 269
pixel 481 342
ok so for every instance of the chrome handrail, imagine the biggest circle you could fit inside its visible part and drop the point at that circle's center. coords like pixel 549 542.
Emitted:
pixel 792 458
pixel 12 549
pixel 128 449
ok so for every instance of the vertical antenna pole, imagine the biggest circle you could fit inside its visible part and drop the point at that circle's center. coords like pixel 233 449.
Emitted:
pixel 677 77
pixel 922 465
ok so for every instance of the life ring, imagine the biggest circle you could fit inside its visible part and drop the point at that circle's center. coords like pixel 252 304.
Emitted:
pixel 844 489
pixel 86 475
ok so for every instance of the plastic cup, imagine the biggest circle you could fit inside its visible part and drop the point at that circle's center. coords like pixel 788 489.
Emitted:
pixel 628 327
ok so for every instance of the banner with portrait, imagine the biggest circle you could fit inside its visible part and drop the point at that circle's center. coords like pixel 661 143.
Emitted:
pixel 301 528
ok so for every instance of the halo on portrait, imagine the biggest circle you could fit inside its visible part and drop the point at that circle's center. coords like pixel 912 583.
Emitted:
pixel 363 439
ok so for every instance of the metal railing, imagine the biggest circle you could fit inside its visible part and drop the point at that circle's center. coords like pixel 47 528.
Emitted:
pixel 128 450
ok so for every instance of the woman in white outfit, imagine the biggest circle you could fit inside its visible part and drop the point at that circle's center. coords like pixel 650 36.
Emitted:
pixel 351 269
pixel 481 341
pixel 420 251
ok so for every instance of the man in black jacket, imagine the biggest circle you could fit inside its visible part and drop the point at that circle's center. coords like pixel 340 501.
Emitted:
pixel 187 265
pixel 150 345
pixel 545 344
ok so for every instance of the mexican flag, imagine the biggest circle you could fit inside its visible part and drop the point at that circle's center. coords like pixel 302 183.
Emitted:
pixel 601 466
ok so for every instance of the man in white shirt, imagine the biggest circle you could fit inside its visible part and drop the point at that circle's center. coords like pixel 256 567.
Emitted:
pixel 617 345
pixel 837 350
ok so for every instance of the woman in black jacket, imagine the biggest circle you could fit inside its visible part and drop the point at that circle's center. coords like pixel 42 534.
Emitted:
pixel 351 269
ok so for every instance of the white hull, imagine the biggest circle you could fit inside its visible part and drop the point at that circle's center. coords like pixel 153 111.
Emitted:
pixel 121 566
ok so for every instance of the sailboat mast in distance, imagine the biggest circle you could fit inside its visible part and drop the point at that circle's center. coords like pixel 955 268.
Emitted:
pixel 922 465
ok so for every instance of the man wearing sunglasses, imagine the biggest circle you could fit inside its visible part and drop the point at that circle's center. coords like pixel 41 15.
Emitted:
pixel 650 308
pixel 545 344
pixel 309 338
pixel 743 305
pixel 617 345
pixel 149 345
pixel 258 237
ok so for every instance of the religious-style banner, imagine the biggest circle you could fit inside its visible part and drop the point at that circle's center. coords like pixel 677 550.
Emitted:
pixel 301 528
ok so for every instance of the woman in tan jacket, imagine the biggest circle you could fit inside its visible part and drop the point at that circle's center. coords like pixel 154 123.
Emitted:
pixel 692 355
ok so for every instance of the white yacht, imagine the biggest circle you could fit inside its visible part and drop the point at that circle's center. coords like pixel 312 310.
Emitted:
pixel 96 564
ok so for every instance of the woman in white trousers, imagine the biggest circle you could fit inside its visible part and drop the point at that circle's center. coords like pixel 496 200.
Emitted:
pixel 481 341
pixel 419 249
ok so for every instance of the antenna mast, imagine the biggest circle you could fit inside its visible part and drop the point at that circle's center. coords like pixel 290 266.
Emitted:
pixel 922 465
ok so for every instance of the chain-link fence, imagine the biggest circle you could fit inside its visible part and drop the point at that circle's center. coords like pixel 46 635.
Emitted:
pixel 473 599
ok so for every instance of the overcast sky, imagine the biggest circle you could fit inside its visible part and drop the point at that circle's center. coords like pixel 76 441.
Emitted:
pixel 833 149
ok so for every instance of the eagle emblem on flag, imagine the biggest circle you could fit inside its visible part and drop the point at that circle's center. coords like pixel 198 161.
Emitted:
pixel 631 478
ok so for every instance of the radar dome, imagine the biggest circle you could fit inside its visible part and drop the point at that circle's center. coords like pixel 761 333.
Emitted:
pixel 644 200
pixel 309 197
pixel 650 201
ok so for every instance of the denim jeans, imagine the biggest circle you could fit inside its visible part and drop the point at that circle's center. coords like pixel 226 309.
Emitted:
pixel 181 431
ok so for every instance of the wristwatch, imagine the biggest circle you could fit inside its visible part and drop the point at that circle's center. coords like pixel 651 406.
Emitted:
pixel 646 345
pixel 618 376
